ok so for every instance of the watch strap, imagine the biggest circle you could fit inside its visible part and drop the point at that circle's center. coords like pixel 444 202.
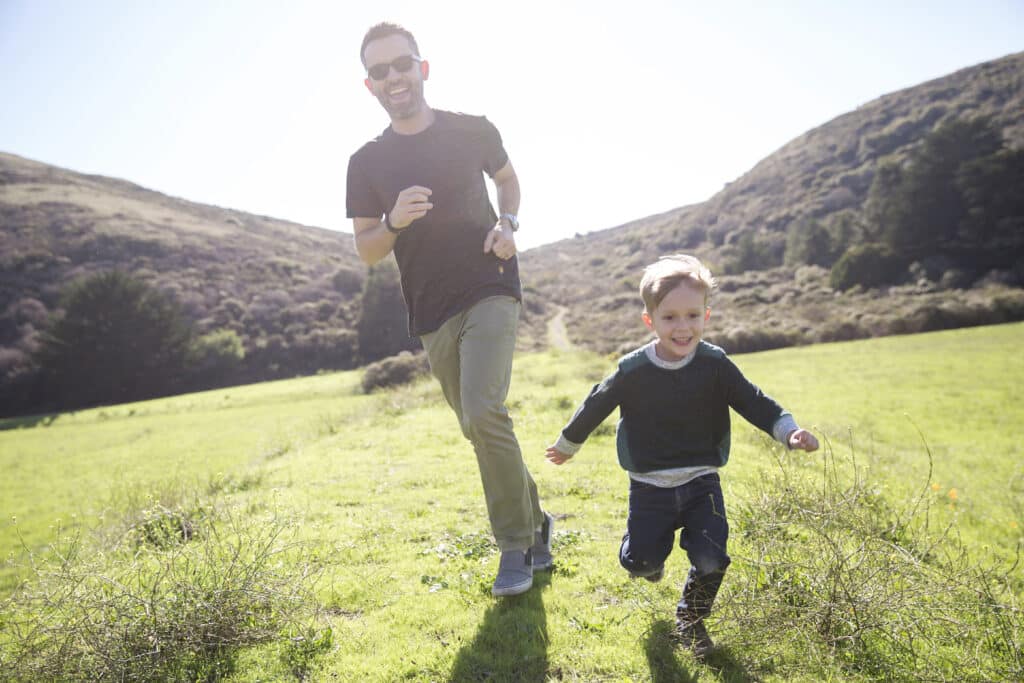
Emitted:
pixel 387 224
pixel 513 220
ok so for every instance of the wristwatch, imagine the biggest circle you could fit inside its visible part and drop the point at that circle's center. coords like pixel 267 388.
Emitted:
pixel 387 224
pixel 513 221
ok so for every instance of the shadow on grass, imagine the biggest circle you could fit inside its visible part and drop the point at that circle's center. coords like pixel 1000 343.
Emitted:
pixel 511 643
pixel 728 668
pixel 663 655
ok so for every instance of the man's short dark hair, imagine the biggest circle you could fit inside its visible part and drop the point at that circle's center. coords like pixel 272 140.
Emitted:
pixel 383 30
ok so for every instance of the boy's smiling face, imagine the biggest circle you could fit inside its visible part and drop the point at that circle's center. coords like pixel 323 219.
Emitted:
pixel 678 321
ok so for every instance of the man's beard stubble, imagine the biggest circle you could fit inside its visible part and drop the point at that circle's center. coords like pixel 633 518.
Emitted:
pixel 407 109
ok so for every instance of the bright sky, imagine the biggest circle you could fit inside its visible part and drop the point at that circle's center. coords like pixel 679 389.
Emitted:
pixel 610 110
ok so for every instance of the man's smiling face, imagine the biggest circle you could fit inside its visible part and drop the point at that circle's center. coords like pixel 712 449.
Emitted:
pixel 400 93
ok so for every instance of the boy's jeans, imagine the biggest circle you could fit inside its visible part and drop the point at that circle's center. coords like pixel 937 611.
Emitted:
pixel 698 509
pixel 471 356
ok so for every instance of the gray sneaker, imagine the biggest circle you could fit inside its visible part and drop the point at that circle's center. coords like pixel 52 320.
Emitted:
pixel 515 573
pixel 541 547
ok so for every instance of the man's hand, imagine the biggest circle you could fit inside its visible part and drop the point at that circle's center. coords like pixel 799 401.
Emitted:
pixel 501 242
pixel 556 456
pixel 412 203
pixel 803 440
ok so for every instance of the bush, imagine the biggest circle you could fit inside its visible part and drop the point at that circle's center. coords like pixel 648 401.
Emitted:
pixel 829 570
pixel 393 371
pixel 167 605
pixel 841 330
pixel 331 349
pixel 348 281
pixel 755 251
pixel 744 340
pixel 867 265
pixel 214 358
pixel 808 242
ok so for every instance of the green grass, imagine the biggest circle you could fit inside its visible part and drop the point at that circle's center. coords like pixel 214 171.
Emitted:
pixel 383 496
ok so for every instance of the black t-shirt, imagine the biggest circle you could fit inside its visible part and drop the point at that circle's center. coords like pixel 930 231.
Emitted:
pixel 440 256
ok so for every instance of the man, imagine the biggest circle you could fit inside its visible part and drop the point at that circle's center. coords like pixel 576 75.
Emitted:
pixel 419 190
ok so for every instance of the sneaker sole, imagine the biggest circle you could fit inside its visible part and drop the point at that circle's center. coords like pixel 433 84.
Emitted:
pixel 544 566
pixel 515 589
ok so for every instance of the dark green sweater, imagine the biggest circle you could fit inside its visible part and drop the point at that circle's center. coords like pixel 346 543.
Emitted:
pixel 675 418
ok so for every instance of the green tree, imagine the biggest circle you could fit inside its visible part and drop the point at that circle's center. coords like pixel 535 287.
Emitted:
pixel 885 209
pixel 753 252
pixel 214 358
pixel 844 229
pixel 118 340
pixel 383 326
pixel 993 191
pixel 919 208
pixel 868 265
pixel 808 241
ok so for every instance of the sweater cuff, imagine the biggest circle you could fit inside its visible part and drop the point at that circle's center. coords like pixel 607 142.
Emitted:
pixel 783 427
pixel 568 447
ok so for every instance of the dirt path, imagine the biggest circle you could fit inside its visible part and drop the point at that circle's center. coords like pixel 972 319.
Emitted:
pixel 558 335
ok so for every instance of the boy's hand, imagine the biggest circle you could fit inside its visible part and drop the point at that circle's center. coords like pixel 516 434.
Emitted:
pixel 556 456
pixel 803 440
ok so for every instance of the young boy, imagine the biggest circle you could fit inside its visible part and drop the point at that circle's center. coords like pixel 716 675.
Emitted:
pixel 674 396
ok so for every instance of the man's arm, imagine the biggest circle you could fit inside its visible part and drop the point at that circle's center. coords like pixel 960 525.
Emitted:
pixel 506 182
pixel 373 239
pixel 500 239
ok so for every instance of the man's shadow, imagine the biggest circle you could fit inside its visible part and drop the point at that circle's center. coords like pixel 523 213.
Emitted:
pixel 662 659
pixel 511 643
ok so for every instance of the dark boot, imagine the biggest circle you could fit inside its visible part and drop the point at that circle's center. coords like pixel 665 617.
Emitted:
pixel 694 637
pixel 698 597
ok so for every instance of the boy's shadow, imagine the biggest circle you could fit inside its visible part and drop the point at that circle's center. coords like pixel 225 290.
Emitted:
pixel 511 643
pixel 662 659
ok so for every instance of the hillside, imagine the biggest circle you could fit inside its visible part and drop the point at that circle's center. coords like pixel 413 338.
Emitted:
pixel 292 293
pixel 260 276
pixel 824 174
pixel 286 289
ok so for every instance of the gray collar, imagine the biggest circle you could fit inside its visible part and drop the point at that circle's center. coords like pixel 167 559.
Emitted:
pixel 652 355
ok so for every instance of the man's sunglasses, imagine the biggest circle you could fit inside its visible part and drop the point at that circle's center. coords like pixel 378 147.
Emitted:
pixel 379 72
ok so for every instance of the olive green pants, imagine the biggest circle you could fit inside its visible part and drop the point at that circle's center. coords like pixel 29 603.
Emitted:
pixel 471 356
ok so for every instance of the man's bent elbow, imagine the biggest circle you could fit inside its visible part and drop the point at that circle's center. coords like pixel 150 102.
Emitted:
pixel 366 254
pixel 369 252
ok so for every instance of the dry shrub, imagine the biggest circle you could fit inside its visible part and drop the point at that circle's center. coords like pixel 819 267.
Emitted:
pixel 171 604
pixel 394 371
pixel 749 340
pixel 842 330
pixel 831 571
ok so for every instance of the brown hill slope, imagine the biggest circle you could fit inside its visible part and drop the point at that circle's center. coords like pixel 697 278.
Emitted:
pixel 260 276
pixel 287 288
pixel 821 174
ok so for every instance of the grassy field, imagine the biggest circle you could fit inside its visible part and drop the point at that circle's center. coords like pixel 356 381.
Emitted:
pixel 889 555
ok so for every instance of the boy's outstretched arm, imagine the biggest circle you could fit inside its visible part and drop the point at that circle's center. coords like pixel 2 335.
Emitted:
pixel 803 439
pixel 598 405
pixel 556 456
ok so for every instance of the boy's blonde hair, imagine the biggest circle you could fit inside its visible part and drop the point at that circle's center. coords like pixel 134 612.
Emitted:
pixel 664 275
